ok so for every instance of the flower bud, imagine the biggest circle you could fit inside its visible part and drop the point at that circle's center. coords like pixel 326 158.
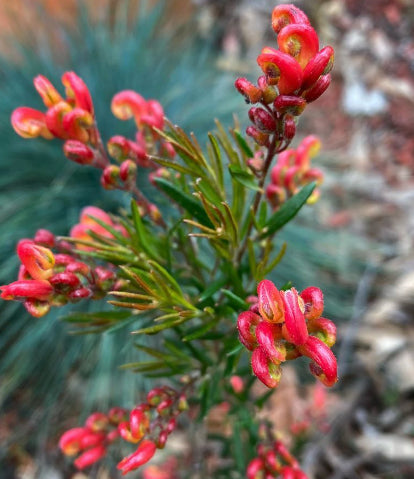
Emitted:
pixel 124 430
pixel 262 119
pixel 300 41
pixel 110 177
pixel 64 282
pixel 36 308
pixel 290 104
pixel 267 372
pixel 91 439
pixel 269 92
pixel 313 300
pixel 324 366
pixel 142 455
pixel 284 14
pixel 259 137
pixel 54 119
pixel 246 325
pixel 167 149
pixel 30 123
pixel 269 339
pixel 127 104
pixel 318 89
pixel 97 421
pixel 171 425
pixel 281 70
pixel 256 469
pixel 47 91
pixel 80 293
pixel 77 90
pixel 44 238
pixel 251 93
pixel 324 329
pixel 78 152
pixel 117 415
pixel 69 442
pixel 289 127
pixel 320 64
pixel 164 408
pixel 104 278
pixel 139 422
pixel 294 328
pixel 128 172
pixel 155 396
pixel 77 267
pixel 38 260
pixel 236 382
pixel 162 439
pixel 276 195
pixel 270 302
pixel 76 124
pixel 90 456
pixel 182 403
pixel 283 451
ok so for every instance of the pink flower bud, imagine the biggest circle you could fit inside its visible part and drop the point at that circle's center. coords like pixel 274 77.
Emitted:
pixel 270 302
pixel 112 436
pixel 104 277
pixel 294 327
pixel 267 372
pixel 80 293
pixel 289 127
pixel 300 41
pixel 155 396
pixel 76 124
pixel 259 137
pixel 237 384
pixel 313 300
pixel 246 325
pixel 117 415
pixel 78 152
pixel 283 451
pixel 54 119
pixel 47 91
pixel 77 90
pixel 320 64
pixel 44 238
pixel 288 473
pixel 251 93
pixel 269 338
pixel 318 89
pixel 64 282
pixel 280 69
pixel 128 172
pixel 90 456
pixel 324 329
pixel 36 308
pixel 69 442
pixel 97 421
pixel 92 439
pixel 164 408
pixel 263 120
pixel 269 92
pixel 62 259
pixel 141 456
pixel 283 15
pixel 38 260
pixel 324 365
pixel 127 104
pixel 110 177
pixel 290 104
pixel 78 267
pixel 124 430
pixel 139 422
pixel 30 123
pixel 171 425
pixel 256 469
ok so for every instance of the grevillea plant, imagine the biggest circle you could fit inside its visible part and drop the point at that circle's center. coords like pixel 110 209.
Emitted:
pixel 189 263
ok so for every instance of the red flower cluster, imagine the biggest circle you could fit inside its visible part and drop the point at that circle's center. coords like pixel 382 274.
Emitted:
pixel 269 465
pixel 149 424
pixel 284 325
pixel 294 75
pixel 292 171
pixel 72 119
pixel 48 279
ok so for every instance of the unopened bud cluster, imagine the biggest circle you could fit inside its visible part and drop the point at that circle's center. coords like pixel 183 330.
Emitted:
pixel 48 278
pixel 294 75
pixel 149 424
pixel 283 325
pixel 292 171
pixel 274 462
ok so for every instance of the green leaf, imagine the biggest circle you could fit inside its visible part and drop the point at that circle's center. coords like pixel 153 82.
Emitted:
pixel 236 301
pixel 175 166
pixel 185 200
pixel 213 288
pixel 244 146
pixel 200 331
pixel 101 316
pixel 175 321
pixel 216 158
pixel 244 177
pixel 146 242
pixel 288 210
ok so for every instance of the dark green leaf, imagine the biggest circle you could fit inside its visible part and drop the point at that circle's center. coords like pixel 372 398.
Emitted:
pixel 241 141
pixel 288 210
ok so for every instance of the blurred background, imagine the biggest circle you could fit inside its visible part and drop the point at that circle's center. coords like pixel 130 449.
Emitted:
pixel 356 243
